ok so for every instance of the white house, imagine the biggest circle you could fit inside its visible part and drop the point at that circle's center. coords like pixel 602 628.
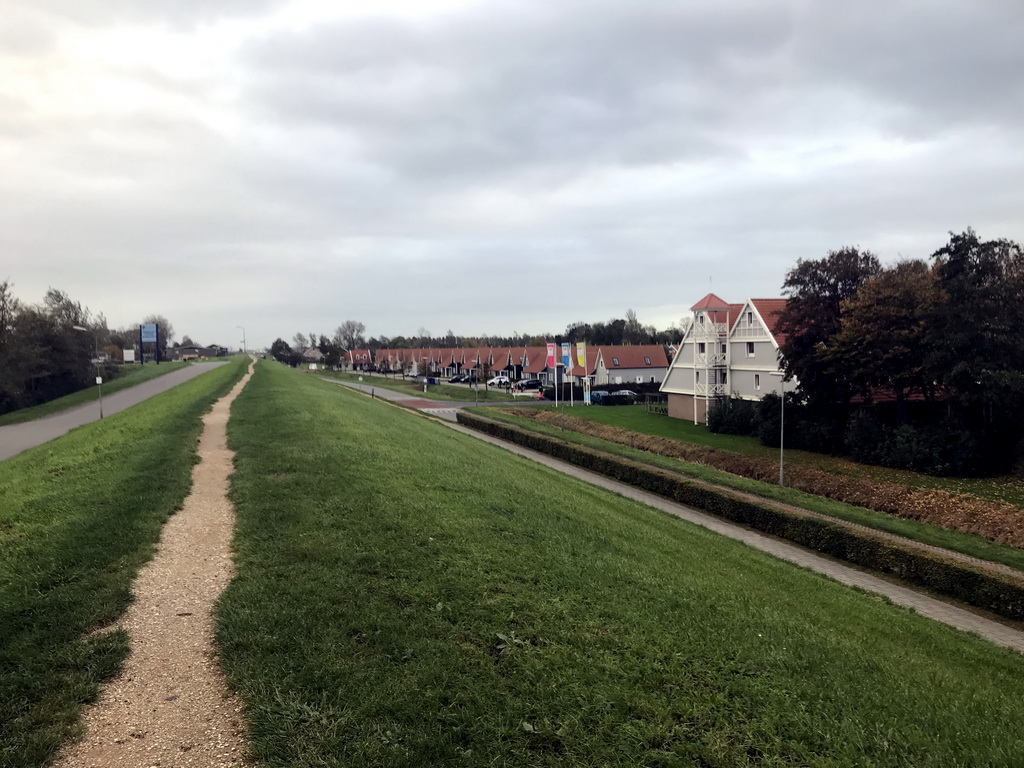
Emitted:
pixel 729 350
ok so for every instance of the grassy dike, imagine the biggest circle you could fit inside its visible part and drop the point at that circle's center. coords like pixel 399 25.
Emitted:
pixel 78 517
pixel 408 596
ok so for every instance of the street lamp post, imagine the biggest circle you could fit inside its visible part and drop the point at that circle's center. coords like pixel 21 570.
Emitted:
pixel 243 338
pixel 782 422
pixel 99 379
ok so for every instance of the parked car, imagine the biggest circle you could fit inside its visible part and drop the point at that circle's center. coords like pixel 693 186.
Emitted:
pixel 597 394
pixel 623 397
pixel 498 381
pixel 526 384
pixel 457 378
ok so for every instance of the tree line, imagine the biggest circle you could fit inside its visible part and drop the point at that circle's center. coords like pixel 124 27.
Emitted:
pixel 56 347
pixel 919 365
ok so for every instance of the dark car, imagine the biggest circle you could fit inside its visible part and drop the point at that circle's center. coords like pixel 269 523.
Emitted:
pixel 618 398
pixel 457 378
pixel 597 395
pixel 526 384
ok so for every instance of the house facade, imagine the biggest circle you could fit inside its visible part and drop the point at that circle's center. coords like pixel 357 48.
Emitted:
pixel 729 350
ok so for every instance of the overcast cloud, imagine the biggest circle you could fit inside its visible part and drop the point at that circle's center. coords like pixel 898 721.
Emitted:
pixel 488 167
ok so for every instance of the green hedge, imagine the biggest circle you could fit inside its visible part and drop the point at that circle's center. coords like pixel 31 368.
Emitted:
pixel 956 580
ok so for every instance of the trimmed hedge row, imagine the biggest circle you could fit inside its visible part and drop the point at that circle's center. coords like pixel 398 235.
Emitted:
pixel 957 580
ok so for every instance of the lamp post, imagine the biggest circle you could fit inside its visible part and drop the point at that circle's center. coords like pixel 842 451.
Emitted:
pixel 99 379
pixel 782 422
pixel 243 338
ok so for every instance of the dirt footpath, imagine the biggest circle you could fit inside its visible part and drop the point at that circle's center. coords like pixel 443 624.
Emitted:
pixel 170 706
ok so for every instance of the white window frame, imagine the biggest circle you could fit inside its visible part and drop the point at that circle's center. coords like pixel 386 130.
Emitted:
pixel 750 349
pixel 757 381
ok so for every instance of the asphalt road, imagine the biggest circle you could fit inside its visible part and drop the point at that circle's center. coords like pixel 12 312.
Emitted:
pixel 16 438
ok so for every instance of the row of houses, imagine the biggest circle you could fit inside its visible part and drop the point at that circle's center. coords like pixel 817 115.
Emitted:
pixel 730 350
pixel 604 364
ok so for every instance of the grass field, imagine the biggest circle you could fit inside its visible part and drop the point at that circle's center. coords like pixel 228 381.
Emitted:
pixel 447 392
pixel 409 596
pixel 968 544
pixel 131 376
pixel 1007 488
pixel 78 517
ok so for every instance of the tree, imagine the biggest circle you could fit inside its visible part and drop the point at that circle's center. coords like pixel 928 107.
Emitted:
pixel 816 290
pixel 883 339
pixel 186 341
pixel 350 335
pixel 976 352
pixel 632 331
pixel 300 341
pixel 281 352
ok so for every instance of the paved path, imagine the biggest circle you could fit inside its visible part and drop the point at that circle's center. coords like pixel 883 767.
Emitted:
pixel 16 438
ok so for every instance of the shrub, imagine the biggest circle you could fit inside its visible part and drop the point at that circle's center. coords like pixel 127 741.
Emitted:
pixel 732 416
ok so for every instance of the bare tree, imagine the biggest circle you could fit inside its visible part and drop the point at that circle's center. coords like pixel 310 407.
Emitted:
pixel 350 334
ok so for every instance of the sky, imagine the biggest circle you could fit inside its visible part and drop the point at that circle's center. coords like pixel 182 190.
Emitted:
pixel 488 167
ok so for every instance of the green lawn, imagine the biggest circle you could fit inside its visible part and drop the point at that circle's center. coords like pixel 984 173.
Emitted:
pixel 447 392
pixel 131 375
pixel 409 596
pixel 968 544
pixel 78 517
pixel 635 417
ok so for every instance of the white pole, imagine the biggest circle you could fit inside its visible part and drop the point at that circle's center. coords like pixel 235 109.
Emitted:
pixel 782 424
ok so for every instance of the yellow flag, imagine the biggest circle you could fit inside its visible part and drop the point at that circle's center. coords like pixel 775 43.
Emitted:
pixel 581 354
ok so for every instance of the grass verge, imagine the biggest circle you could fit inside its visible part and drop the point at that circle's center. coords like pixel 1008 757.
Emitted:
pixel 135 374
pixel 965 543
pixel 1008 488
pixel 408 596
pixel 78 517
pixel 446 392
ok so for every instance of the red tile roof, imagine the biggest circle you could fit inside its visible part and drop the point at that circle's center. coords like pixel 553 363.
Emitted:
pixel 711 301
pixel 769 310
pixel 634 356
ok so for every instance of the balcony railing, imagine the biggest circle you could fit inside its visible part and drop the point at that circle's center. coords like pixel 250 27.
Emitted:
pixel 709 361
pixel 750 333
pixel 710 330
pixel 709 390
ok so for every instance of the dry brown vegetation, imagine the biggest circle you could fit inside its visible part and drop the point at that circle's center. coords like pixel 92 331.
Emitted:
pixel 998 521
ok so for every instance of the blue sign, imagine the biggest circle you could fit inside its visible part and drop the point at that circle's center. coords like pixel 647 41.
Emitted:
pixel 565 354
pixel 148 332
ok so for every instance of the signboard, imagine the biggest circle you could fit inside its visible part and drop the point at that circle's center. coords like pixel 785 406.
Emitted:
pixel 99 379
pixel 148 332
pixel 129 355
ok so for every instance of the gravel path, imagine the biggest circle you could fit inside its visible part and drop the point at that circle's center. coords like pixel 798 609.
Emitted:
pixel 170 705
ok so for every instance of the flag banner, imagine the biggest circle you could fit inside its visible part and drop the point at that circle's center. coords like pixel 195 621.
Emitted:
pixel 565 354
pixel 581 355
pixel 551 355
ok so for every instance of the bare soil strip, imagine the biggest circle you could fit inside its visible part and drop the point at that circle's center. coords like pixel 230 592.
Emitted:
pixel 170 706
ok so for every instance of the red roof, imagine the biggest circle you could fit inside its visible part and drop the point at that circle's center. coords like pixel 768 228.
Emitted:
pixel 634 356
pixel 711 301
pixel 592 353
pixel 769 310
pixel 536 359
